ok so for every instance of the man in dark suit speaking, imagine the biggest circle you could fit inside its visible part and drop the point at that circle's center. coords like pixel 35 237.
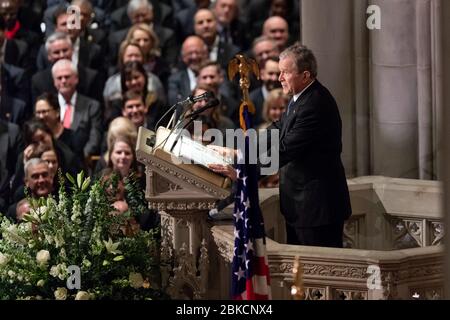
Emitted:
pixel 314 196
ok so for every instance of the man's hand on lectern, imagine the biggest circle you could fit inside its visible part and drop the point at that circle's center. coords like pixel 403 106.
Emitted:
pixel 225 170
pixel 223 151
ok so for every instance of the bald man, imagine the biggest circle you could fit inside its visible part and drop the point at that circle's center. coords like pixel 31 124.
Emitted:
pixel 180 84
pixel 277 29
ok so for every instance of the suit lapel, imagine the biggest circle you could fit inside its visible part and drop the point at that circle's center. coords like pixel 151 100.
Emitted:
pixel 302 100
pixel 79 109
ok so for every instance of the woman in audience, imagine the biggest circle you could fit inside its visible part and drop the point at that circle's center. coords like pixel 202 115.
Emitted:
pixel 122 162
pixel 147 39
pixel 120 126
pixel 47 109
pixel 38 138
pixel 273 108
pixel 130 55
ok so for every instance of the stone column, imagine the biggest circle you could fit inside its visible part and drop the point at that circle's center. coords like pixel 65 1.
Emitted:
pixel 327 28
pixel 394 86
pixel 362 102
pixel 424 89
pixel 445 10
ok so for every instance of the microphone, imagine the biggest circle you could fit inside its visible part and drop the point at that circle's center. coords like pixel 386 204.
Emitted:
pixel 211 104
pixel 189 101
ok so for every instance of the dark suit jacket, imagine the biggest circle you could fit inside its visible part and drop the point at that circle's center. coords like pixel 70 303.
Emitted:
pixel 16 53
pixel 12 110
pixel 184 23
pixel 227 51
pixel 86 126
pixel 178 86
pixel 313 186
pixel 10 146
pixel 90 83
pixel 15 83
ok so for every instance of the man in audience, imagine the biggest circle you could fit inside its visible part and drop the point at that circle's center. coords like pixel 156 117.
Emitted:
pixel 205 26
pixel 38 182
pixel 180 84
pixel 230 28
pixel 77 112
pixel 141 115
pixel 277 29
pixel 84 52
pixel 141 11
pixel 211 75
pixel 59 46
pixel 269 77
pixel 264 47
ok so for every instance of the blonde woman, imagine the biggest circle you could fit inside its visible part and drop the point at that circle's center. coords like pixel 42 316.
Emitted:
pixel 274 107
pixel 148 41
pixel 120 126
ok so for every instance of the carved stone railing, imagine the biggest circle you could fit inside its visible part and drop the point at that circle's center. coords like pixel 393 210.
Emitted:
pixel 392 246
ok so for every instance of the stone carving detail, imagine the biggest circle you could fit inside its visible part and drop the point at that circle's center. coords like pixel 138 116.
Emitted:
pixel 389 284
pixel 351 231
pixel 438 233
pixel 406 234
pixel 188 281
pixel 182 206
pixel 422 271
pixel 226 249
pixel 166 249
pixel 414 228
pixel 182 177
pixel 315 293
pixel 324 270
pixel 434 293
pixel 341 294
pixel 203 266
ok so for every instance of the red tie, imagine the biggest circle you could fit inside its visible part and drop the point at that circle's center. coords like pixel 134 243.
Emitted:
pixel 67 117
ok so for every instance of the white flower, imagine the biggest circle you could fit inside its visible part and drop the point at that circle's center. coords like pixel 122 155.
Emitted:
pixel 40 283
pixel 3 259
pixel 87 263
pixel 11 273
pixel 59 271
pixel 42 257
pixel 82 295
pixel 61 294
pixel 136 280
pixel 112 247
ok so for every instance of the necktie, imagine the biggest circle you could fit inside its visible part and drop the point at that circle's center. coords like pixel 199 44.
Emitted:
pixel 67 117
pixel 289 107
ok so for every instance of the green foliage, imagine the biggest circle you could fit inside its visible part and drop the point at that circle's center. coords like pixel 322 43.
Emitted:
pixel 81 230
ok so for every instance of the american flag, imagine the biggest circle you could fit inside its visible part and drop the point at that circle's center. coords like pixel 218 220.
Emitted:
pixel 250 269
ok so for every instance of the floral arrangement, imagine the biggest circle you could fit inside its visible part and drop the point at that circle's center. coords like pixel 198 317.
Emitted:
pixel 78 247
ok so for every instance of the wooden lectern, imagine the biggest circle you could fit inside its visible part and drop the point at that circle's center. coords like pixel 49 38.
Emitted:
pixel 183 194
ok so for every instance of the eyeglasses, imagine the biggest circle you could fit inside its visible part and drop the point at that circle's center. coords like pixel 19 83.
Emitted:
pixel 43 112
